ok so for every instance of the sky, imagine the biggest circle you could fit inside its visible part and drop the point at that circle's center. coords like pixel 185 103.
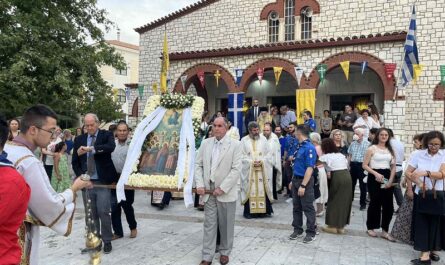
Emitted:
pixel 130 14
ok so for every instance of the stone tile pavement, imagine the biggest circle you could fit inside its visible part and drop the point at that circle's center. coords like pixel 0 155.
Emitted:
pixel 174 236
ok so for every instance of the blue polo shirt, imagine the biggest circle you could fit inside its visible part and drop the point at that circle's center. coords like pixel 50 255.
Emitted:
pixel 305 157
pixel 290 145
pixel 311 124
pixel 282 144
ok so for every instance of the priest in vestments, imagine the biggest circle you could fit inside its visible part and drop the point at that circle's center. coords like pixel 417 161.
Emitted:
pixel 256 174
pixel 275 153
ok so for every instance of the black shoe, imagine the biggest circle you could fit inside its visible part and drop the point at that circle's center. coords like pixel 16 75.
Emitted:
pixel 247 216
pixel 161 206
pixel 87 250
pixel 434 257
pixel 420 262
pixel 295 235
pixel 107 247
pixel 363 208
pixel 308 239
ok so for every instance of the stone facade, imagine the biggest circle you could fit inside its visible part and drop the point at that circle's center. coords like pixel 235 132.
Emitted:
pixel 234 23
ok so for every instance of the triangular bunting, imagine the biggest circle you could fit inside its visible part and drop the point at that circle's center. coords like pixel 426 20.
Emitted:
pixel 217 76
pixel 201 77
pixel 299 72
pixel 345 66
pixel 260 74
pixel 322 69
pixel 364 66
pixel 277 71
pixel 417 71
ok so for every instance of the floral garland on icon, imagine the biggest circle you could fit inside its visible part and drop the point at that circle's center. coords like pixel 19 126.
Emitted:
pixel 168 101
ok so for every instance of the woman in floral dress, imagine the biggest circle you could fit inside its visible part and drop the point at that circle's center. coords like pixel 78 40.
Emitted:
pixel 62 181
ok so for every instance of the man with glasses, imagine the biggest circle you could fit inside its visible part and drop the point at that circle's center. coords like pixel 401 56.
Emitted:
pixel 46 207
pixel 92 156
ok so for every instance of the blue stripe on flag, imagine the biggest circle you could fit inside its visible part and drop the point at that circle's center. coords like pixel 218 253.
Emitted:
pixel 411 53
pixel 235 105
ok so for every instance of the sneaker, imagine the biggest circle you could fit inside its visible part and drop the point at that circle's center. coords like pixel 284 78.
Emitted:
pixel 107 247
pixel 308 239
pixel 295 235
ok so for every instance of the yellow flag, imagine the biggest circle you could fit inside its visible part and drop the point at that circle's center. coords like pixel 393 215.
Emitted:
pixel 165 65
pixel 417 69
pixel 115 91
pixel 345 66
pixel 277 71
pixel 305 101
pixel 155 88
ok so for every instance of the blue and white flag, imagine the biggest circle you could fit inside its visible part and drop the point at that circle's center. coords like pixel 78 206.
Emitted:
pixel 127 94
pixel 411 55
pixel 364 66
pixel 236 101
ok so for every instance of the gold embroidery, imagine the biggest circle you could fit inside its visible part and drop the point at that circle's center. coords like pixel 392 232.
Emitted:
pixel 24 259
pixel 21 159
pixel 58 217
pixel 34 221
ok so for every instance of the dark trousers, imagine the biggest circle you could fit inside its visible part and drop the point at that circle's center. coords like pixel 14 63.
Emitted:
pixel 100 210
pixel 381 207
pixel 397 190
pixel 274 184
pixel 428 232
pixel 304 204
pixel 287 176
pixel 357 173
pixel 116 212
pixel 49 171
pixel 165 199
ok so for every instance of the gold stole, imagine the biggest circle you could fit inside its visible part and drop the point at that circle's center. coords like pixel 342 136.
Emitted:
pixel 257 189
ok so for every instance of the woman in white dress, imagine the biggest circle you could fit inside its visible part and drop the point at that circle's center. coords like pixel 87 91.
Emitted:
pixel 366 122
pixel 322 177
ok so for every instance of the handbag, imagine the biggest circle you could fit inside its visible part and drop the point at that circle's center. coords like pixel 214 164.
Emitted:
pixel 431 201
pixel 317 192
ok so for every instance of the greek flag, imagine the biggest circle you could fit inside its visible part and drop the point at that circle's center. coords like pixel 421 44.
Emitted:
pixel 236 110
pixel 411 55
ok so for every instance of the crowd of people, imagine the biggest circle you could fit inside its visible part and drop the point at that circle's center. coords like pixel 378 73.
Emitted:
pixel 316 167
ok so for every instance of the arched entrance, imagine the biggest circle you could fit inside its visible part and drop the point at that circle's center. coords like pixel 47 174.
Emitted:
pixel 214 95
pixel 336 91
pixel 268 92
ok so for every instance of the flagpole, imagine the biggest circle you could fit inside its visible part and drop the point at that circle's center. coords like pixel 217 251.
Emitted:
pixel 403 60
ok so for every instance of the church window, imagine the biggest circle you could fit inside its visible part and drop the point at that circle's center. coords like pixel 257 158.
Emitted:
pixel 306 26
pixel 274 25
pixel 289 20
pixel 121 96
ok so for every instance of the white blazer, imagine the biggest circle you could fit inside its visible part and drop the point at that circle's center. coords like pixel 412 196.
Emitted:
pixel 228 169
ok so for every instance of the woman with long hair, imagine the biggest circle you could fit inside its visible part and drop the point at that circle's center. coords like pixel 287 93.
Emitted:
pixel 14 128
pixel 374 113
pixel 326 124
pixel 426 169
pixel 62 179
pixel 338 211
pixel 380 164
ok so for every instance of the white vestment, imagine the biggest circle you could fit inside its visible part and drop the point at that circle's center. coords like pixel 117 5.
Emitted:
pixel 256 182
pixel 46 207
pixel 275 150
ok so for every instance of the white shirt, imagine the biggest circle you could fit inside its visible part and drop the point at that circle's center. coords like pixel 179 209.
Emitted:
pixel 421 160
pixel 381 158
pixel 399 152
pixel 334 161
pixel 369 124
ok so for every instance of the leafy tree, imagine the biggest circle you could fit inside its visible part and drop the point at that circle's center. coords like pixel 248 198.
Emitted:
pixel 46 57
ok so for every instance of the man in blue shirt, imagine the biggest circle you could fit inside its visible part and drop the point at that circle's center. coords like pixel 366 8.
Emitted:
pixel 289 145
pixel 304 157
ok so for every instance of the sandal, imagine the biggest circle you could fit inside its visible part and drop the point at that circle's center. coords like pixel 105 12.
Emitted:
pixel 388 237
pixel 371 233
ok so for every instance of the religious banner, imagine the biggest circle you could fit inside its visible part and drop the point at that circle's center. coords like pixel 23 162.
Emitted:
pixel 299 72
pixel 345 66
pixel 364 66
pixel 161 155
pixel 305 101
pixel 141 91
pixel 154 87
pixel 322 69
pixel 239 75
pixel 277 72
pixel 390 68
pixel 442 75
pixel 201 77
pixel 183 80
pixel 217 76
pixel 260 74
pixel 417 71
pixel 236 101
pixel 127 94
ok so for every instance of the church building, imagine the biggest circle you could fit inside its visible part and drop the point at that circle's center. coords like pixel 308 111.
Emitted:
pixel 220 36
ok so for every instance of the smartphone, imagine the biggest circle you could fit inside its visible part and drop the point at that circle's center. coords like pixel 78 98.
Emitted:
pixel 385 181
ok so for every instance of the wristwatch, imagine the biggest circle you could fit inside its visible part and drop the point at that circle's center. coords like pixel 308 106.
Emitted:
pixel 303 186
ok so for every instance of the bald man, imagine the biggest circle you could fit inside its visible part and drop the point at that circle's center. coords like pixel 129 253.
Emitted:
pixel 92 156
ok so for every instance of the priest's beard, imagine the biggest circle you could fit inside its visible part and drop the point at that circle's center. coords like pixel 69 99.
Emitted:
pixel 254 136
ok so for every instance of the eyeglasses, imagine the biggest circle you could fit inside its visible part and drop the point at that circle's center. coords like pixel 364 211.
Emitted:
pixel 51 132
pixel 434 145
